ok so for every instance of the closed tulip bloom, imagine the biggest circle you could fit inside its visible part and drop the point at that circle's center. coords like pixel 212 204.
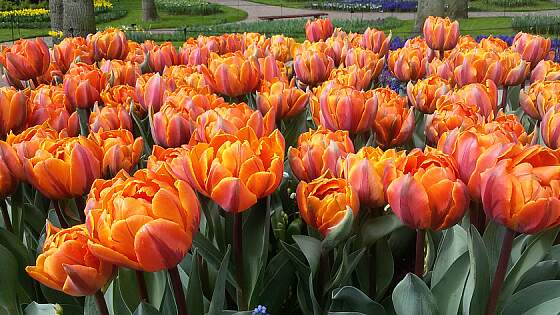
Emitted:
pixel 550 127
pixel 441 33
pixel 317 152
pixel 318 29
pixel 48 103
pixel 408 63
pixel 394 121
pixel 339 46
pixel 516 69
pixel 441 68
pixel 533 48
pixel 424 93
pixel 64 168
pixel 287 100
pixel 109 118
pixel 539 98
pixel 171 126
pixel 353 76
pixel 161 56
pixel 272 70
pixel 13 110
pixel 477 67
pixel 27 59
pixel 364 59
pixel 11 170
pixel 82 85
pixel 428 194
pixel 313 68
pixel 376 41
pixel 324 202
pixel 120 150
pixel 232 75
pixel 448 117
pixel 546 70
pixel 121 72
pixel 152 91
pixel 109 44
pixel 521 192
pixel 193 55
pixel 234 170
pixel 72 49
pixel 66 264
pixel 484 96
pixel 143 222
pixel 344 108
pixel 364 171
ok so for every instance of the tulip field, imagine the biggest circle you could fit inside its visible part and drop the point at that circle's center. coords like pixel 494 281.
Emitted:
pixel 254 174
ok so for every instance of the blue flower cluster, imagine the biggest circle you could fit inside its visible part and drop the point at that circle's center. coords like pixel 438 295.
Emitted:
pixel 260 310
pixel 368 5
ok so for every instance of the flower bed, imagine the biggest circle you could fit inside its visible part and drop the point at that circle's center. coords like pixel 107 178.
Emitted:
pixel 367 5
pixel 187 7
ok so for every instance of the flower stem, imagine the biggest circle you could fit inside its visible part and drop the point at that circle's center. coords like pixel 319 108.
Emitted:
pixel 238 252
pixel 142 290
pixel 80 205
pixel 372 267
pixel 6 216
pixel 101 304
pixel 60 215
pixel 178 291
pixel 84 121
pixel 504 98
pixel 500 274
pixel 419 263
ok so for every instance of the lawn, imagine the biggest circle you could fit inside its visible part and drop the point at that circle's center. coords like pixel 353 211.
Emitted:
pixel 540 5
pixel 134 16
pixel 287 4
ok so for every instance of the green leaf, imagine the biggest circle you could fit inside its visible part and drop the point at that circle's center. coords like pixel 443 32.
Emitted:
pixel 477 287
pixel 115 303
pixel 412 296
pixel 493 237
pixel 554 253
pixel 279 276
pixel 128 287
pixel 211 255
pixel 311 249
pixel 145 309
pixel 195 299
pixel 306 305
pixel 90 308
pixel 384 267
pixel 419 135
pixel 449 289
pixel 293 127
pixel 22 256
pixel 548 307
pixel 218 296
pixel 351 299
pixel 155 285
pixel 296 256
pixel 542 271
pixel 340 232
pixel 452 247
pixel 41 309
pixel 348 264
pixel 532 296
pixel 378 227
pixel 168 305
pixel 8 299
pixel 513 97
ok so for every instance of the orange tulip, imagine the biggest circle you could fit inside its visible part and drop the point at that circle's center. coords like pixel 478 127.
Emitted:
pixel 312 68
pixel 109 118
pixel 66 264
pixel 119 95
pixel 440 33
pixel 143 222
pixel 282 47
pixel 427 194
pixel 424 93
pixel 64 168
pixel 171 126
pixel 30 140
pixel 186 76
pixel 232 75
pixel 508 124
pixel 109 44
pixel 394 121
pixel 441 68
pixel 161 158
pixel 492 43
pixel 365 59
pixel 272 70
pixel 546 70
pixel 48 103
pixel 539 98
pixel 152 91
pixel 10 170
pixel 229 119
pixel 161 56
pixel 376 41
pixel 13 110
pixel 515 68
pixel 324 202
pixel 533 48
pixel 72 49
pixel 136 52
pixel 408 63
pixel 358 78
pixel 521 192
pixel 550 127
pixel 318 29
pixel 121 72
pixel 27 59
pixel 343 108
pixel 318 152
pixel 82 85
pixel 192 102
pixel 120 150
pixel 477 67
pixel 449 116
pixel 287 100
pixel 483 96
pixel 364 172
pixel 193 55
pixel 234 170
pixel 337 47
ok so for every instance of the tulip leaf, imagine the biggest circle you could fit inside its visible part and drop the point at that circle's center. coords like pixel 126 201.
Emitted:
pixel 419 135
pixel 348 265
pixel 384 267
pixel 532 296
pixel 451 248
pixel 412 296
pixel 42 309
pixel 378 227
pixel 168 304
pixel 8 298
pixel 311 249
pixel 128 287
pixel 304 296
pixel 554 253
pixel 513 97
pixel 493 237
pixel 340 232
pixel 449 289
pixel 114 300
pixel 548 307
pixel 211 255
pixel 477 287
pixel 22 256
pixel 293 127
pixel 145 309
pixel 90 308
pixel 297 257
pixel 218 296
pixel 155 284
pixel 542 271
pixel 278 278
pixel 351 299
pixel 195 299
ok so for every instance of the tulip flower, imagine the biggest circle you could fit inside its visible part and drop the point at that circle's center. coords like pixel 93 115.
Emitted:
pixel 72 49
pixel 171 126
pixel 272 70
pixel 144 222
pixel 318 152
pixel 64 168
pixel 515 68
pixel 550 127
pixel 343 108
pixel 338 46
pixel 232 75
pixel 508 124
pixel 312 68
pixel 408 63
pixel 48 103
pixel 324 202
pixel 186 76
pixel 66 264
pixel 27 59
pixel 441 68
pixel 120 150
pixel 427 194
pixel 539 98
pixel 448 117
pixel 161 158
pixel 82 85
pixel 234 169
pixel 110 118
pixel 477 66
pixel 13 110
pixel 394 121
pixel 533 48
pixel 161 56
pixel 376 41
pixel 121 72
pixel 483 96
pixel 440 33
pixel 193 55
pixel 282 47
pixel 136 52
pixel 520 191
pixel 365 59
pixel 287 100
pixel 424 93
pixel 30 140
pixel 545 70
pixel 492 43
pixel 318 29
pixel 152 91
pixel 192 102
pixel 353 76
pixel 109 44
pixel 11 170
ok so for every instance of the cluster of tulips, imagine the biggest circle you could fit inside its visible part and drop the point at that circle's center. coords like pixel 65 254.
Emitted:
pixel 148 133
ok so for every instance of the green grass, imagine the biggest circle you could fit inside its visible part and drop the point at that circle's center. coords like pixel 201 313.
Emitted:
pixel 540 5
pixel 287 4
pixel 472 26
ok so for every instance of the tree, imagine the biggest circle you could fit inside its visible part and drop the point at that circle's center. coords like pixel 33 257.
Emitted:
pixel 56 10
pixel 457 9
pixel 425 9
pixel 79 18
pixel 149 10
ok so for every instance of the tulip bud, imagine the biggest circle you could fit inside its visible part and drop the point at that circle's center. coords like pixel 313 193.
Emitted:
pixel 424 93
pixel 408 63
pixel 193 55
pixel 394 121
pixel 13 110
pixel 109 44
pixel 82 85
pixel 70 50
pixel 161 56
pixel 284 98
pixel 120 72
pixel 550 127
pixel 375 41
pixel 533 48
pixel 318 29
pixel 312 68
pixel 440 33
pixel 232 75
pixel 27 59
pixel 11 170
pixel 152 90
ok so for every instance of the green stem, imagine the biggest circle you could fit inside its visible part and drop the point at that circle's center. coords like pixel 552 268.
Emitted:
pixel 84 121
pixel 238 252
pixel 101 304
pixel 500 274
pixel 6 216
pixel 60 214
pixel 178 291
pixel 419 263
pixel 142 290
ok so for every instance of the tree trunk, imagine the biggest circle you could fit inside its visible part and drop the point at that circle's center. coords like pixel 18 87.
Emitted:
pixel 56 11
pixel 425 9
pixel 149 11
pixel 79 18
pixel 457 9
